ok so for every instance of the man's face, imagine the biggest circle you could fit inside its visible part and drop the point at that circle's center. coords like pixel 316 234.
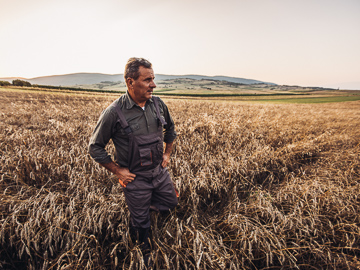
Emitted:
pixel 141 89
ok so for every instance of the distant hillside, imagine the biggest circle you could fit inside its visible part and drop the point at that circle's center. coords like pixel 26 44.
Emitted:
pixel 75 79
pixel 161 77
pixel 93 78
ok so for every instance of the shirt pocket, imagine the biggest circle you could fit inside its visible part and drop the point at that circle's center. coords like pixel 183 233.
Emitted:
pixel 134 127
pixel 119 131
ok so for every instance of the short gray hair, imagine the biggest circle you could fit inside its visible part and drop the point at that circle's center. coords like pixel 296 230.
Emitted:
pixel 132 67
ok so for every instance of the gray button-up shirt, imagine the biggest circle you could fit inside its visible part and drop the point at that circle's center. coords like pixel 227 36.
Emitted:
pixel 141 122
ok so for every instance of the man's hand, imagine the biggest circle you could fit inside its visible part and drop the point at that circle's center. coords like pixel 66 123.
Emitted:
pixel 165 160
pixel 124 175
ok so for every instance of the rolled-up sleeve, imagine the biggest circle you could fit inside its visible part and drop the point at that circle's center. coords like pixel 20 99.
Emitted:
pixel 169 128
pixel 101 136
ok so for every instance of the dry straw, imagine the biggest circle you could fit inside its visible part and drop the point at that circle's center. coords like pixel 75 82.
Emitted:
pixel 261 187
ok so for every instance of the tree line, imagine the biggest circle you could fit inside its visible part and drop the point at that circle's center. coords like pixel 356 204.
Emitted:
pixel 15 83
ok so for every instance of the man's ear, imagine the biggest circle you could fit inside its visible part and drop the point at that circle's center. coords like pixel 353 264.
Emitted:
pixel 129 82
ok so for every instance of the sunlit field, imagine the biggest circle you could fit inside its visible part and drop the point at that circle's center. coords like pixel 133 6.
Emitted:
pixel 262 186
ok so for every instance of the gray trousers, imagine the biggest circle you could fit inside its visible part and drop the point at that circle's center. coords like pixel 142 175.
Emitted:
pixel 142 192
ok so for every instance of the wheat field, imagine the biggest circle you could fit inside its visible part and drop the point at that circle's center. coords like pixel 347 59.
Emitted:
pixel 262 186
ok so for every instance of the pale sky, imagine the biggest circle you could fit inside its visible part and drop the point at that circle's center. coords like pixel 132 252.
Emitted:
pixel 293 42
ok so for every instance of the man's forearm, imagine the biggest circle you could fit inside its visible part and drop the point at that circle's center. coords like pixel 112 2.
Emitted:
pixel 168 148
pixel 111 166
pixel 124 175
pixel 166 155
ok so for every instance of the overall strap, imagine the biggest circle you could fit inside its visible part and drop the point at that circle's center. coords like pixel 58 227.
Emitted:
pixel 123 123
pixel 156 103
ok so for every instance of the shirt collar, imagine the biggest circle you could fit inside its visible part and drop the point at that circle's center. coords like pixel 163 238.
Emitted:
pixel 129 102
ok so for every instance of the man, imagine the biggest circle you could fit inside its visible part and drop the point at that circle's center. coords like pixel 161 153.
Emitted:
pixel 138 123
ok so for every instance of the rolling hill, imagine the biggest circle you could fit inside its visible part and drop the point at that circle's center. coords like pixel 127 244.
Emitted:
pixel 94 78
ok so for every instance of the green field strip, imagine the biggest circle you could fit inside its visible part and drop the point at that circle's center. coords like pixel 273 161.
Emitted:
pixel 311 99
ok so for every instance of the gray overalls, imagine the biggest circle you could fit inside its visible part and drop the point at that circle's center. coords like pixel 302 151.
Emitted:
pixel 152 184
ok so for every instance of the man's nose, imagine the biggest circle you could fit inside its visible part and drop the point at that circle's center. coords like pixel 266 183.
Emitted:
pixel 152 85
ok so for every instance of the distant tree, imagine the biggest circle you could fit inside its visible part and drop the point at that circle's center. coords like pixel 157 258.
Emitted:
pixel 21 83
pixel 4 83
pixel 17 82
